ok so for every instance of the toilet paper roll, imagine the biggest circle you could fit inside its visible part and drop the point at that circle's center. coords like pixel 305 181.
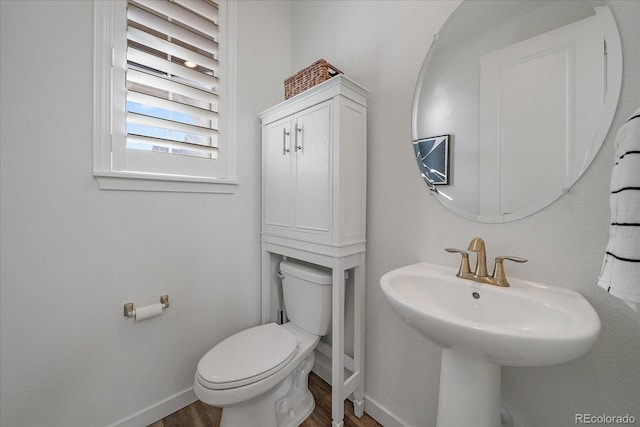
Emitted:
pixel 148 311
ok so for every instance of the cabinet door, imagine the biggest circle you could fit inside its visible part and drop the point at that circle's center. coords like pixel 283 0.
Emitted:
pixel 312 170
pixel 278 158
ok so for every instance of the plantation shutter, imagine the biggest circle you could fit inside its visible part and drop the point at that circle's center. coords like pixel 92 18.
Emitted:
pixel 172 74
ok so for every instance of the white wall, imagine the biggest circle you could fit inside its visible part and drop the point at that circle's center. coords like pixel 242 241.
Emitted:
pixel 72 255
pixel 381 44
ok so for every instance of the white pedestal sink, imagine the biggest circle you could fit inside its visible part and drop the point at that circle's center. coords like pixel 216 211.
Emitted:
pixel 482 327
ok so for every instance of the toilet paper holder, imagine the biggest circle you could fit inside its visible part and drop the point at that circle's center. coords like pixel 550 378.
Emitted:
pixel 129 311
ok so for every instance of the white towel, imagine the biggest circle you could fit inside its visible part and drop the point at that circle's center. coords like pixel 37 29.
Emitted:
pixel 620 274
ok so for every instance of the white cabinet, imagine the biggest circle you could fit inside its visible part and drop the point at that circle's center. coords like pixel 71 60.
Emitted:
pixel 314 157
pixel 314 166
pixel 277 184
pixel 297 173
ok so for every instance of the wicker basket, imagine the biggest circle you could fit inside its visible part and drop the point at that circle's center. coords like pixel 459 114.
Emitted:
pixel 306 78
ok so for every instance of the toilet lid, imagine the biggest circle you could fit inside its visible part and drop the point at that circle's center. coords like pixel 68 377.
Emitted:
pixel 247 356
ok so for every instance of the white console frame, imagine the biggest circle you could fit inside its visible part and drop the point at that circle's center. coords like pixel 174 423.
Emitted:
pixel 340 255
pixel 354 262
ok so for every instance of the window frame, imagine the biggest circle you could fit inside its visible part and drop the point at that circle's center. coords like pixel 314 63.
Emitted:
pixel 106 120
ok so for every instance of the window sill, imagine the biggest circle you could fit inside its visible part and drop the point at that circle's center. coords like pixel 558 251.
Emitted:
pixel 131 181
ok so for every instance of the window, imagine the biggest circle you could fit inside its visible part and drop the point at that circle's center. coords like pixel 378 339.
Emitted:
pixel 164 95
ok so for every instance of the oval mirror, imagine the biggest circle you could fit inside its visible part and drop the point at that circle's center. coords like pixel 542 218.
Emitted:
pixel 513 102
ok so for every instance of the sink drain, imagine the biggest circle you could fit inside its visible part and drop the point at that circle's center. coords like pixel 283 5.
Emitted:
pixel 476 295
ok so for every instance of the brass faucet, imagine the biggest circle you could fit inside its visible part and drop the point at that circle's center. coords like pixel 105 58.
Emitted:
pixel 477 246
pixel 498 278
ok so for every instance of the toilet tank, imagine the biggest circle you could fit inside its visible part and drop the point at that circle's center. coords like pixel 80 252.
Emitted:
pixel 307 296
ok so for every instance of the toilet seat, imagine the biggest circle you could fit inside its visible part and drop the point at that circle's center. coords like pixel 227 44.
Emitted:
pixel 247 357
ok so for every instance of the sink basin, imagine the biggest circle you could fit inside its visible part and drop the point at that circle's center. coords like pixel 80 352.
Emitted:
pixel 526 324
pixel 481 327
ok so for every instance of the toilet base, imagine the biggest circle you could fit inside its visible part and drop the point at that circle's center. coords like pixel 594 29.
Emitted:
pixel 287 405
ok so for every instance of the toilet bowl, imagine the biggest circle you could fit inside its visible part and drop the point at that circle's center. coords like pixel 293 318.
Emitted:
pixel 259 375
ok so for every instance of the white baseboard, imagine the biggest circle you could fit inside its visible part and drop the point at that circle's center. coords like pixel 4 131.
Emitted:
pixel 322 368
pixel 381 414
pixel 157 411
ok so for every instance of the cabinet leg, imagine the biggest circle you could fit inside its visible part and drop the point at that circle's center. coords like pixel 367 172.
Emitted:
pixel 266 285
pixel 358 407
pixel 358 402
pixel 337 347
pixel 358 356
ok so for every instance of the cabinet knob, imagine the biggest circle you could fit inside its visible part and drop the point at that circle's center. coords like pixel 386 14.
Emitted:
pixel 298 145
pixel 285 150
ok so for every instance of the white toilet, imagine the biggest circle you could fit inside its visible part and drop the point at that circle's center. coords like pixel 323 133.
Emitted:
pixel 259 375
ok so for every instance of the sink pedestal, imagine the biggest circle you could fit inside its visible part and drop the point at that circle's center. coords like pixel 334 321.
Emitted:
pixel 469 391
pixel 482 327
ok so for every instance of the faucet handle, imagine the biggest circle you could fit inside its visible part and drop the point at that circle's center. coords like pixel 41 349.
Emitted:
pixel 465 269
pixel 499 276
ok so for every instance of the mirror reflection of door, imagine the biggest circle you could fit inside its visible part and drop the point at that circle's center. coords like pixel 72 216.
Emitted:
pixel 555 92
pixel 547 133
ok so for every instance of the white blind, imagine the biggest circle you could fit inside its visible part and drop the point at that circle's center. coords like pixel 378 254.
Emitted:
pixel 172 77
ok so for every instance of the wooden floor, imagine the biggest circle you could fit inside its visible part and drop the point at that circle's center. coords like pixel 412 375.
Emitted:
pixel 199 414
